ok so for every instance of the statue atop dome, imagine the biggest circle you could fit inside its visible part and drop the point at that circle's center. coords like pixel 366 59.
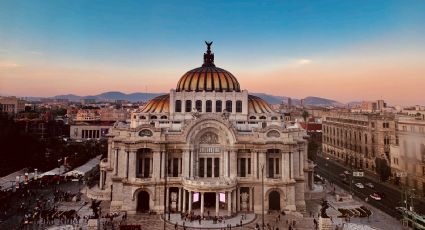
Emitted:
pixel 208 56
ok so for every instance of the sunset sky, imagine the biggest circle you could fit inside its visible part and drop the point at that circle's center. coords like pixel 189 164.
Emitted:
pixel 342 50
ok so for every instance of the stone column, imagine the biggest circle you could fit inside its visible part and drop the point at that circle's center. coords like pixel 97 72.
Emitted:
pixel 163 162
pixel 229 203
pixel 234 201
pixel 190 201
pixel 185 163
pixel 179 206
pixel 127 164
pixel 132 165
pixel 233 163
pixel 238 199
pixel 286 166
pixel 217 203
pixel 250 199
pixel 202 204
pixel 184 201
pixel 167 199
pixel 225 163
pixel 291 169
pixel 116 163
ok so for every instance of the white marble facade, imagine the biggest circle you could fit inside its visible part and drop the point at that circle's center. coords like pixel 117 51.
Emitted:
pixel 205 158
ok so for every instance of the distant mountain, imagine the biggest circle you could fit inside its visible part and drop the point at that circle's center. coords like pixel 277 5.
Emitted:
pixel 111 96
pixel 135 97
pixel 71 97
pixel 312 101
pixel 318 101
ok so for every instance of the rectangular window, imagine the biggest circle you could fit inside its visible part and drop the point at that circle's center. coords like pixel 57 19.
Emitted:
pixel 239 106
pixel 198 105
pixel 208 106
pixel 249 165
pixel 188 106
pixel 216 167
pixel 243 168
pixel 209 167
pixel 271 168
pixel 201 167
pixel 229 106
pixel 218 107
pixel 178 108
pixel 277 166
pixel 147 167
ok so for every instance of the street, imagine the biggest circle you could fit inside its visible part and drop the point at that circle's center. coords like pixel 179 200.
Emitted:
pixel 331 170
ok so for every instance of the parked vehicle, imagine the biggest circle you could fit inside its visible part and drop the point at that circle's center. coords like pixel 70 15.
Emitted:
pixel 375 196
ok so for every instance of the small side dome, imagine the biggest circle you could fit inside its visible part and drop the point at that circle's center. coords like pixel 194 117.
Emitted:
pixel 258 105
pixel 160 104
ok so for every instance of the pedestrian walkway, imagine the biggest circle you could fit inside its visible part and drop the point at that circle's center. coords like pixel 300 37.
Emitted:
pixel 238 220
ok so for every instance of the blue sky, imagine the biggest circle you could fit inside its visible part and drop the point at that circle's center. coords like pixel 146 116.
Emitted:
pixel 166 38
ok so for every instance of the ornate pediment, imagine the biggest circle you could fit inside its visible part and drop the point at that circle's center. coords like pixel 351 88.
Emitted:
pixel 209 138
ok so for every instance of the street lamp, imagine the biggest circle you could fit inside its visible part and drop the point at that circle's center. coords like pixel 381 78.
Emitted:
pixel 262 194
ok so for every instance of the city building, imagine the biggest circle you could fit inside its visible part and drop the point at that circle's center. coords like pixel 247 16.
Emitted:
pixel 87 131
pixel 370 106
pixel 114 115
pixel 408 153
pixel 358 139
pixel 206 144
pixel 11 105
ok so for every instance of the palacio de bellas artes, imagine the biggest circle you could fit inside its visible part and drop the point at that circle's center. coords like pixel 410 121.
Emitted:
pixel 205 145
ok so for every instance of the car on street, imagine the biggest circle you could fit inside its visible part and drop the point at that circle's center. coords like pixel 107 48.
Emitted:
pixel 381 194
pixel 347 172
pixel 359 185
pixel 375 196
pixel 370 185
pixel 342 175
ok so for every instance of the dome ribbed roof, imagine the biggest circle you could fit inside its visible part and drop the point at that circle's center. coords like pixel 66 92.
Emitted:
pixel 258 105
pixel 160 104
pixel 208 78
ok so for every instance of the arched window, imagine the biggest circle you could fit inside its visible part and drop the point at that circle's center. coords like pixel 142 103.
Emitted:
pixel 142 117
pixel 153 117
pixel 239 106
pixel 218 106
pixel 252 117
pixel 208 106
pixel 188 106
pixel 198 105
pixel 274 118
pixel 229 106
pixel 178 106
pixel 262 118
pixel 163 117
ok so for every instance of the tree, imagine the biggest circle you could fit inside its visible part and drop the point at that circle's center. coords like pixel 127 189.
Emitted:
pixel 382 168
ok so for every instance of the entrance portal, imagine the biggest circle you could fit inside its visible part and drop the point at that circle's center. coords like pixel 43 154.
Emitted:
pixel 274 201
pixel 209 200
pixel 143 201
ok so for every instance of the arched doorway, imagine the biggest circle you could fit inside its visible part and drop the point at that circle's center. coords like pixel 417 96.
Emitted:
pixel 143 201
pixel 274 201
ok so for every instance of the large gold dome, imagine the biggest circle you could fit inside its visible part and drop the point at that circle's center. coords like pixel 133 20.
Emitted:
pixel 208 77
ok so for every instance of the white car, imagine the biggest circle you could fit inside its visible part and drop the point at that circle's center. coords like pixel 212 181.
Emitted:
pixel 347 172
pixel 375 196
pixel 359 185
pixel 370 185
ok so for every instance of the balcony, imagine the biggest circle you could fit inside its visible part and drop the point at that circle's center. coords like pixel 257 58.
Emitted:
pixel 209 184
pixel 98 194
